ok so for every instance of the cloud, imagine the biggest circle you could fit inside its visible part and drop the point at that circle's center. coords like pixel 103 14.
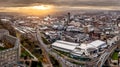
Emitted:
pixel 88 2
pixel 16 3
pixel 112 4
pixel 20 3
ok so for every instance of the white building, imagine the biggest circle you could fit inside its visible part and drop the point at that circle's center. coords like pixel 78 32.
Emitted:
pixel 98 44
pixel 59 27
pixel 89 28
pixel 64 46
pixel 113 40
pixel 90 49
pixel 74 29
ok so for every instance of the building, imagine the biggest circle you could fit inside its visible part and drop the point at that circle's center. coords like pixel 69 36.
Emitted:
pixel 74 29
pixel 64 46
pixel 68 18
pixel 9 56
pixel 88 28
pixel 90 50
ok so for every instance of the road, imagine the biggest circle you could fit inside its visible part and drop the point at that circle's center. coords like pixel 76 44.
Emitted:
pixel 48 51
pixel 43 47
pixel 106 55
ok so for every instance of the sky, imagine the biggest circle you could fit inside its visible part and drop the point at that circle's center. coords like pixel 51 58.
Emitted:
pixel 45 6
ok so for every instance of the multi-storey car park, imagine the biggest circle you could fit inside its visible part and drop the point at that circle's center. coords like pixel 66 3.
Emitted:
pixel 9 49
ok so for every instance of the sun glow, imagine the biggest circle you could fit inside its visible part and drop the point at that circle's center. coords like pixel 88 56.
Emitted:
pixel 40 10
pixel 42 7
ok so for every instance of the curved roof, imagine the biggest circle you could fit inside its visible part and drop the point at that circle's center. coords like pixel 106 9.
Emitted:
pixel 65 45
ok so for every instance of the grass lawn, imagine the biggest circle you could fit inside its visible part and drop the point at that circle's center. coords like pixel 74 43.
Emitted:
pixel 115 56
pixel 25 53
pixel 2 48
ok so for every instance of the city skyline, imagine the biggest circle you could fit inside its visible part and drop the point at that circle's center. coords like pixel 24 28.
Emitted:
pixel 60 33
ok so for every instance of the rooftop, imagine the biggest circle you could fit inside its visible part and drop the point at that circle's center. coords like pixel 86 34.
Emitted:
pixel 65 45
pixel 97 43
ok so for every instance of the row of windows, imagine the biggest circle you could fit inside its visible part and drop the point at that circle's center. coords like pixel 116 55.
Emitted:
pixel 8 57
pixel 7 61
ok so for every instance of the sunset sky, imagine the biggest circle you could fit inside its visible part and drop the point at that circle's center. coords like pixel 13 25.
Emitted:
pixel 47 6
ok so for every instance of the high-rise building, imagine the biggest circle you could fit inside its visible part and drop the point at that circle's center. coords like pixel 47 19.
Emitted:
pixel 68 21
pixel 9 49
